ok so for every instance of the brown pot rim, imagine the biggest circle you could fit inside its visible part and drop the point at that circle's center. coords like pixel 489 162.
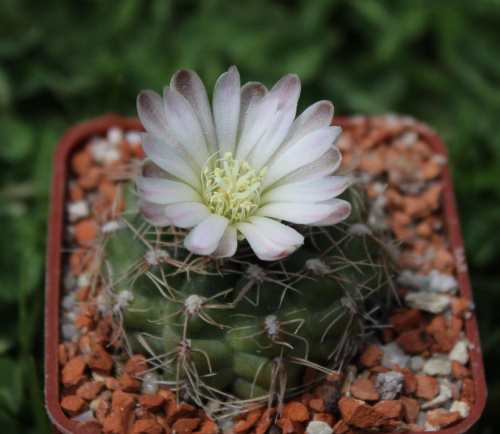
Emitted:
pixel 82 132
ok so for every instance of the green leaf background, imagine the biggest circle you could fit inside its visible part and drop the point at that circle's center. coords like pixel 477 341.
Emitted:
pixel 63 61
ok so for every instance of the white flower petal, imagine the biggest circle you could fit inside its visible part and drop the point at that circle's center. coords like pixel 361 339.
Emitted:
pixel 167 159
pixel 185 125
pixel 226 107
pixel 312 190
pixel 190 86
pixel 251 93
pixel 259 117
pixel 206 235
pixel 150 169
pixel 265 248
pixel 277 232
pixel 187 214
pixel 153 213
pixel 165 191
pixel 287 89
pixel 323 166
pixel 296 212
pixel 152 114
pixel 273 137
pixel 341 211
pixel 315 117
pixel 309 148
pixel 227 244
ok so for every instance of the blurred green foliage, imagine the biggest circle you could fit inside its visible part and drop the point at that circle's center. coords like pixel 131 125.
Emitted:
pixel 63 61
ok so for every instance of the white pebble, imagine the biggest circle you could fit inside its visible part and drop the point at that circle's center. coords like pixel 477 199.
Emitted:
pixel 318 427
pixel 85 416
pixel 83 280
pixel 115 136
pixel 459 352
pixel 133 137
pixel 393 353
pixel 68 302
pixel 462 408
pixel 443 283
pixel 428 301
pixel 150 382
pixel 112 226
pixel 417 363
pixel 389 384
pixel 444 395
pixel 437 366
pixel 68 331
pixel 77 210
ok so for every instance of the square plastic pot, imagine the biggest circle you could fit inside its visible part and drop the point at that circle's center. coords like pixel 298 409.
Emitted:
pixel 77 137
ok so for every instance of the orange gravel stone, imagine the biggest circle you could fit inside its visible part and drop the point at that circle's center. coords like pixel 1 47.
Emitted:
pixel 459 371
pixel 371 356
pixel 359 414
pixel 92 425
pixel 72 373
pixel 122 400
pixel 442 419
pixel 102 410
pixel 459 306
pixel 413 341
pixel 209 427
pixel 62 354
pixel 81 162
pixel 405 320
pixel 364 389
pixel 391 409
pixel 468 391
pixel 410 382
pixel 324 417
pixel 288 425
pixel 129 384
pixel 137 365
pixel 83 321
pixel 411 408
pixel 90 179
pixel 90 389
pixel 73 405
pixel 76 192
pixel 444 261
pixel 296 411
pixel 85 232
pixel 180 411
pixel 147 426
pixel 242 426
pixel 100 361
pixel 185 426
pixel 342 427
pixel 152 402
pixel 119 422
pixel 445 333
pixel 317 405
pixel 427 387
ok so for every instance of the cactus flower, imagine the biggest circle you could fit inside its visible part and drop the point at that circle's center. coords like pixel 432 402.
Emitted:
pixel 241 169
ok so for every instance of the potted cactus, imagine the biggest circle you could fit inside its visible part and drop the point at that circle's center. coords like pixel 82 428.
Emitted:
pixel 229 277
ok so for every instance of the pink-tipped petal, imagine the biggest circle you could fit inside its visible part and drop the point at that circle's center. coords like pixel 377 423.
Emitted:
pixel 226 107
pixel 185 125
pixel 296 212
pixel 323 166
pixel 341 210
pixel 265 248
pixel 312 190
pixel 152 114
pixel 227 244
pixel 259 117
pixel 308 149
pixel 153 213
pixel 315 117
pixel 167 159
pixel 165 191
pixel 288 90
pixel 188 214
pixel 251 93
pixel 206 235
pixel 190 86
pixel 277 232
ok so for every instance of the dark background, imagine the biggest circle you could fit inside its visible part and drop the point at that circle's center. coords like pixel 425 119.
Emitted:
pixel 63 61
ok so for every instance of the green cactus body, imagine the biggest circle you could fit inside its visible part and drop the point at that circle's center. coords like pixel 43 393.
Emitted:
pixel 241 325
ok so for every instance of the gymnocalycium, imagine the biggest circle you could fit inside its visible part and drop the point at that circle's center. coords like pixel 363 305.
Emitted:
pixel 236 266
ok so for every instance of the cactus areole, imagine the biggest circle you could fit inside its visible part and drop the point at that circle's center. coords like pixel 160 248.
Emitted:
pixel 235 265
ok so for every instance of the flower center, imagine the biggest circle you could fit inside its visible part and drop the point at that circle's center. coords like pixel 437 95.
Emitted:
pixel 232 189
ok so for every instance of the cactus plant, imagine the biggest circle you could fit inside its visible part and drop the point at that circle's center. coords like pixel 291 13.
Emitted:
pixel 238 268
